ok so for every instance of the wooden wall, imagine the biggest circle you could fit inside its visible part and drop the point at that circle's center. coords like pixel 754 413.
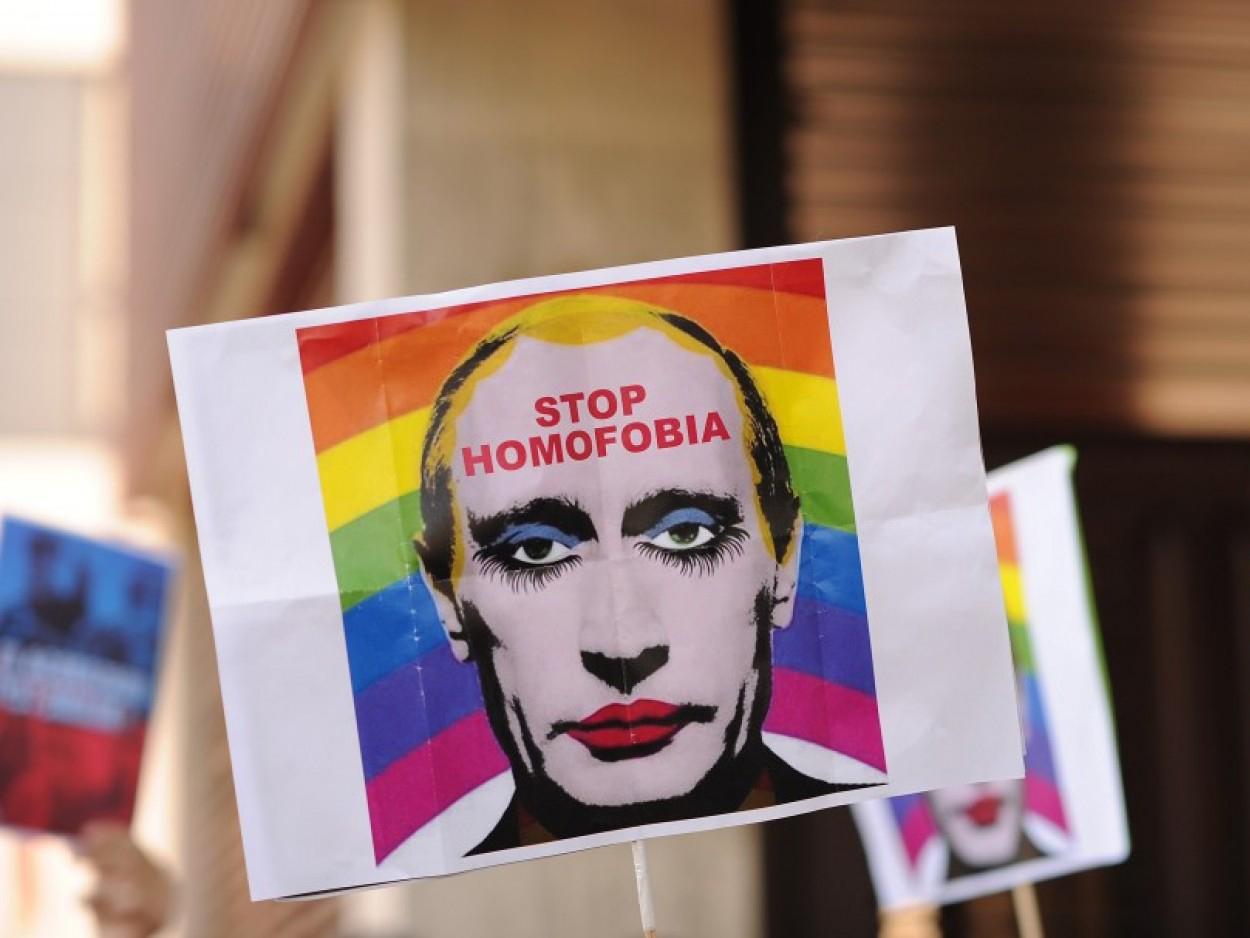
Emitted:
pixel 1095 159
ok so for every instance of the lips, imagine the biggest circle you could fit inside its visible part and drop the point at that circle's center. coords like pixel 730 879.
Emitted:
pixel 984 811
pixel 643 725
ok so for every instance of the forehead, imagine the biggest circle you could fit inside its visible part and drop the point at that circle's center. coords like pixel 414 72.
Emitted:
pixel 678 382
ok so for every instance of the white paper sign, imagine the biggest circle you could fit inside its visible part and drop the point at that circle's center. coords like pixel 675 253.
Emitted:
pixel 1067 813
pixel 538 566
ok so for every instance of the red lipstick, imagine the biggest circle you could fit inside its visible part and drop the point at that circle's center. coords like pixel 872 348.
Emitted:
pixel 984 811
pixel 643 724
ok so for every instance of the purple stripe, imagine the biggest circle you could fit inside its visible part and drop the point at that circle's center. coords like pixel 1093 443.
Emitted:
pixel 406 708
pixel 826 642
pixel 1038 758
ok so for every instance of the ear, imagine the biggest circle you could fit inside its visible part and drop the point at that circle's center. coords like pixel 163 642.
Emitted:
pixel 444 604
pixel 786 583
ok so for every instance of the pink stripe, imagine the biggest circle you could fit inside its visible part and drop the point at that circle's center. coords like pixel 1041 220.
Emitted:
pixel 408 794
pixel 916 829
pixel 1042 798
pixel 830 715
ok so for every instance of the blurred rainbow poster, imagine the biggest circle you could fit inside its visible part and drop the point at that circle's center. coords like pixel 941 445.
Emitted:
pixel 80 622
pixel 1067 812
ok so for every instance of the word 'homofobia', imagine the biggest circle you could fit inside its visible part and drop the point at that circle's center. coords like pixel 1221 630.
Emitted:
pixel 632 436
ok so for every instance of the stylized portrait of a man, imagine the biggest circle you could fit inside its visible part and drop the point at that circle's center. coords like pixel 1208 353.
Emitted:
pixel 610 537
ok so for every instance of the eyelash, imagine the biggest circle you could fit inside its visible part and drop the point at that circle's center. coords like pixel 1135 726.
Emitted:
pixel 727 542
pixel 522 577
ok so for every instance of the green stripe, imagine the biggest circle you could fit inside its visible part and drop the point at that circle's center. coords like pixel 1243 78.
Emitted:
pixel 375 550
pixel 823 486
pixel 1021 647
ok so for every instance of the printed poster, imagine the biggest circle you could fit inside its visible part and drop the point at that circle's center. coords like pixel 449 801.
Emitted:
pixel 1067 812
pixel 564 562
pixel 79 625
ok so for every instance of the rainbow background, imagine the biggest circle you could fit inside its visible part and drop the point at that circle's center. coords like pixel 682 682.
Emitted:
pixel 419 713
pixel 1041 784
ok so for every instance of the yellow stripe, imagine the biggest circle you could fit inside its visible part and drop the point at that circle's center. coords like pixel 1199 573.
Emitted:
pixel 1013 592
pixel 805 408
pixel 372 468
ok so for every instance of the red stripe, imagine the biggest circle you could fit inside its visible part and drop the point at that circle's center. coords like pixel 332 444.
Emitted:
pixel 917 828
pixel 407 795
pixel 829 715
pixel 1042 798
pixel 804 278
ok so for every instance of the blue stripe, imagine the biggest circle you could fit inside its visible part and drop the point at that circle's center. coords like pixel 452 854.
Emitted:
pixel 1038 758
pixel 829 568
pixel 828 643
pixel 390 629
pixel 413 704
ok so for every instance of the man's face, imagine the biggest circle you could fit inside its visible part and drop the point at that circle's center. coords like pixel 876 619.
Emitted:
pixel 622 598
pixel 981 823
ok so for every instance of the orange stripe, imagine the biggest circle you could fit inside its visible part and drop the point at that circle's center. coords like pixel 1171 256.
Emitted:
pixel 346 396
pixel 1004 533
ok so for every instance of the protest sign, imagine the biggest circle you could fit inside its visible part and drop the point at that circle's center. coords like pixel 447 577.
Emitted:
pixel 1067 813
pixel 543 565
pixel 79 625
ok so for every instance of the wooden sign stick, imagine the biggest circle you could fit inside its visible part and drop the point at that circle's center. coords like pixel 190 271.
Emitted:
pixel 643 881
pixel 914 921
pixel 1028 916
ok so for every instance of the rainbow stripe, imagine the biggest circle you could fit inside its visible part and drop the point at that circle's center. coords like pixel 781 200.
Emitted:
pixel 1041 786
pixel 419 713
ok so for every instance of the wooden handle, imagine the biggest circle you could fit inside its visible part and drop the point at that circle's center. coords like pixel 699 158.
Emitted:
pixel 1028 916
pixel 916 921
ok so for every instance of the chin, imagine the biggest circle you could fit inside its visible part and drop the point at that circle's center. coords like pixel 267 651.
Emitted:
pixel 987 849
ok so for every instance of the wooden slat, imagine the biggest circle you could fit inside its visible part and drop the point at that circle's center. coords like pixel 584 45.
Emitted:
pixel 1095 159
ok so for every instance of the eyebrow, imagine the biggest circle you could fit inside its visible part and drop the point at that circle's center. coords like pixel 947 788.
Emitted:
pixel 562 513
pixel 644 514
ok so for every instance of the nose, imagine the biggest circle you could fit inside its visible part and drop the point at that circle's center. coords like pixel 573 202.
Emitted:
pixel 624 674
pixel 623 638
